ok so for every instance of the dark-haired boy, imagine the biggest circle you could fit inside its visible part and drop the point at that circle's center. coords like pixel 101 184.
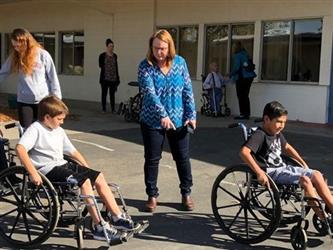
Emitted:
pixel 268 143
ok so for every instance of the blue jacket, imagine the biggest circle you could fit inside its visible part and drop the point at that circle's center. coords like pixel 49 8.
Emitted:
pixel 166 95
pixel 238 60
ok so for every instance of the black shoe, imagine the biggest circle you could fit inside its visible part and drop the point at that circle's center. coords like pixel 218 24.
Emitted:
pixel 242 117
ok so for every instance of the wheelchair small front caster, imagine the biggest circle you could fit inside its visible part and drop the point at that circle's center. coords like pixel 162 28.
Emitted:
pixel 298 237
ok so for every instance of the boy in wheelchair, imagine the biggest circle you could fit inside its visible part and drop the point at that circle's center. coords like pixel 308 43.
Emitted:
pixel 42 147
pixel 267 143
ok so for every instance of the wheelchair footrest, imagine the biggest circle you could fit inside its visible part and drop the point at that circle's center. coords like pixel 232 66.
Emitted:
pixel 140 226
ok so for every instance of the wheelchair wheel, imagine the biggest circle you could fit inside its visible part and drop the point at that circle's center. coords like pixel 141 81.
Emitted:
pixel 127 116
pixel 28 213
pixel 227 111
pixel 319 225
pixel 239 201
pixel 298 237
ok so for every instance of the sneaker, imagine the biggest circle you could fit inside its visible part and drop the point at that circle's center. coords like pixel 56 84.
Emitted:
pixel 114 235
pixel 123 223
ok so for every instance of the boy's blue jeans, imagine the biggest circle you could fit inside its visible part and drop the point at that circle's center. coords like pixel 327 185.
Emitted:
pixel 153 140
pixel 3 159
pixel 215 99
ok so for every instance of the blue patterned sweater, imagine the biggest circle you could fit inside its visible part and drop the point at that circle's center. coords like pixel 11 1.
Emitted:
pixel 166 95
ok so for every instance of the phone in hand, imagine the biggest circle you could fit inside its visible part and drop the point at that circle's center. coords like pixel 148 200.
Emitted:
pixel 190 128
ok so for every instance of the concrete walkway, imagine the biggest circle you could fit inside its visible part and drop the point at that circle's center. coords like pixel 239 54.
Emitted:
pixel 115 147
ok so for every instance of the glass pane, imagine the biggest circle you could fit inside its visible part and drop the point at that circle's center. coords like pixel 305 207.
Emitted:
pixel 39 38
pixel 49 44
pixel 173 32
pixel 67 66
pixel 243 33
pixel 0 50
pixel 188 47
pixel 7 45
pixel 306 50
pixel 275 50
pixel 216 47
pixel 78 53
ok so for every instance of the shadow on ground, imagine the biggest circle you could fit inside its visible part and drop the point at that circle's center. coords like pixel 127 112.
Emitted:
pixel 220 146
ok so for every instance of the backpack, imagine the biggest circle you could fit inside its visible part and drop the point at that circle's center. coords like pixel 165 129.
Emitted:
pixel 249 66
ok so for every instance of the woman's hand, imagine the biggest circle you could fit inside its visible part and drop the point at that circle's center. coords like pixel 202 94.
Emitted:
pixel 167 124
pixel 193 123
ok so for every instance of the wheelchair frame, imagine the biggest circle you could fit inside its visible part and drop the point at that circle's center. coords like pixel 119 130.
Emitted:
pixel 29 214
pixel 261 209
pixel 132 107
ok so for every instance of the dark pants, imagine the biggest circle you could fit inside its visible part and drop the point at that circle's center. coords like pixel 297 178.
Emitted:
pixel 153 140
pixel 112 90
pixel 243 86
pixel 3 159
pixel 27 113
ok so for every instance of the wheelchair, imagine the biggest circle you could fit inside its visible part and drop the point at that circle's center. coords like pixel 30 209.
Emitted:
pixel 29 214
pixel 206 108
pixel 249 213
pixel 131 108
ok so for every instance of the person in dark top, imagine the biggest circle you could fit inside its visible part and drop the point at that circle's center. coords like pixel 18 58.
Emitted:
pixel 109 76
pixel 268 143
pixel 243 75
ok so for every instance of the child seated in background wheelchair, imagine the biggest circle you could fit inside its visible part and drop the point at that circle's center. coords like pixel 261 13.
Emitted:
pixel 213 84
pixel 42 147
pixel 268 143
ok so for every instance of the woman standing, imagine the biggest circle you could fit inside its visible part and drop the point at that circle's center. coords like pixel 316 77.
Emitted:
pixel 168 109
pixel 37 76
pixel 109 76
pixel 244 78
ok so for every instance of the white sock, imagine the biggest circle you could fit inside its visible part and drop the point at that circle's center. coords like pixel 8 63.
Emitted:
pixel 116 217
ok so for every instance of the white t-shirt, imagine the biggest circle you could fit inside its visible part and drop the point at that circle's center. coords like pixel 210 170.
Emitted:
pixel 46 147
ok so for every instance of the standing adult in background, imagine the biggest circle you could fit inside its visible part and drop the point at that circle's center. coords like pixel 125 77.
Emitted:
pixel 37 76
pixel 168 109
pixel 109 76
pixel 243 75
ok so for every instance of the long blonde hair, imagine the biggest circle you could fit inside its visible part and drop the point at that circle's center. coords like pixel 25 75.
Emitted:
pixel 24 60
pixel 164 36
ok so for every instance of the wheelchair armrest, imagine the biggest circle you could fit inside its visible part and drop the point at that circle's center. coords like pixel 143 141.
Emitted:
pixel 291 161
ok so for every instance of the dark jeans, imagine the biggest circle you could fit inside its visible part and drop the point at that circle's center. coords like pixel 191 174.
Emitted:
pixel 243 86
pixel 112 90
pixel 27 113
pixel 153 140
pixel 215 100
pixel 3 159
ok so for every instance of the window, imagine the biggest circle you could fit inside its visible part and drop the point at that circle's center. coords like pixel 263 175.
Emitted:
pixel 306 50
pixel 291 46
pixel 219 42
pixel 47 40
pixel 0 50
pixel 217 47
pixel 188 47
pixel 186 43
pixel 7 45
pixel 72 53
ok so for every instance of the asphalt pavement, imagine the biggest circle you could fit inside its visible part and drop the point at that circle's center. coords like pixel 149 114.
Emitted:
pixel 115 147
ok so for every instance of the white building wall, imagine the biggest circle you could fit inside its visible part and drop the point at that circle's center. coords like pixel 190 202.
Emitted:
pixel 131 22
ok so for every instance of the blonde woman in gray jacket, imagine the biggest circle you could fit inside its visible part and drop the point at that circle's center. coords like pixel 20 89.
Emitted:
pixel 37 76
